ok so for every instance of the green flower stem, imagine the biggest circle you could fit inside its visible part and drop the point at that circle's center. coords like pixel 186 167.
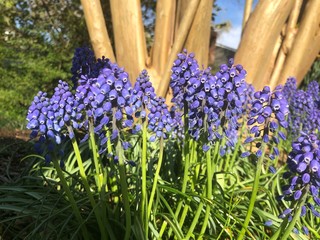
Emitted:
pixel 215 157
pixel 124 191
pixel 234 155
pixel 194 180
pixel 99 175
pixel 209 194
pixel 155 180
pixel 144 202
pixel 195 221
pixel 186 156
pixel 87 188
pixel 186 178
pixel 255 188
pixel 71 199
pixel 287 230
pixel 112 178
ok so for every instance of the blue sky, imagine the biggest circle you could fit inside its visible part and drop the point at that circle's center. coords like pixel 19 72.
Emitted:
pixel 232 11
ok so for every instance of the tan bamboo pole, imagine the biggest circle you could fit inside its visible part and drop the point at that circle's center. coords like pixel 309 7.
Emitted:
pixel 259 38
pixel 290 33
pixel 183 30
pixel 97 29
pixel 306 46
pixel 246 13
pixel 163 34
pixel 129 37
pixel 198 39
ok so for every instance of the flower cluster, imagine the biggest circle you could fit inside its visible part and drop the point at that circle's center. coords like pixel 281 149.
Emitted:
pixel 268 111
pixel 212 104
pixel 50 118
pixel 303 174
pixel 106 102
pixel 144 100
pixel 185 70
pixel 304 107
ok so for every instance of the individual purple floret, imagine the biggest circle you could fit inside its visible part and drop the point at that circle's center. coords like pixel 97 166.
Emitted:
pixel 303 174
pixel 268 111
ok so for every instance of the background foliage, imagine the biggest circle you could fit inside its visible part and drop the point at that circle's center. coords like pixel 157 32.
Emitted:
pixel 35 51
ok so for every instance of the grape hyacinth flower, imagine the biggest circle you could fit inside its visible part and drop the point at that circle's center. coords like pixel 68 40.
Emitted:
pixel 213 104
pixel 50 117
pixel 106 102
pixel 304 107
pixel 303 176
pixel 229 95
pixel 268 111
pixel 148 107
pixel 185 70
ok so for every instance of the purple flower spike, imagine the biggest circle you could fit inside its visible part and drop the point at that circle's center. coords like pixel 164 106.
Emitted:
pixel 303 164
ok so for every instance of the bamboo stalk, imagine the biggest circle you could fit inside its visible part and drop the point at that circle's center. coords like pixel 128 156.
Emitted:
pixel 163 34
pixel 130 42
pixel 183 30
pixel 287 43
pixel 246 13
pixel 97 29
pixel 201 26
pixel 306 45
pixel 259 38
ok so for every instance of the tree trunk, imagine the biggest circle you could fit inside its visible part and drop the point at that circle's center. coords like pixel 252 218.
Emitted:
pixel 129 37
pixel 260 37
pixel 286 47
pixel 306 45
pixel 201 26
pixel 97 29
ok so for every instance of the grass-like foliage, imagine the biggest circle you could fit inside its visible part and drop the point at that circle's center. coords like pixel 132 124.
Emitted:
pixel 115 162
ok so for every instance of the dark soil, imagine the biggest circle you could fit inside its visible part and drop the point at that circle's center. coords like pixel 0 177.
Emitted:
pixel 14 146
